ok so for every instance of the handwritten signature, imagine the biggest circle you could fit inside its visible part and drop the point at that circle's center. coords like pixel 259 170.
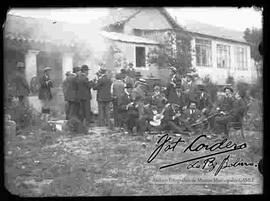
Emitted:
pixel 209 163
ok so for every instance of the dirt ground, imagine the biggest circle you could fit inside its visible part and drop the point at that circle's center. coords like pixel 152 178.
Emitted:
pixel 107 163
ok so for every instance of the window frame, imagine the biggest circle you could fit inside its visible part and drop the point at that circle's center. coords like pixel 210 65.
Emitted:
pixel 205 47
pixel 241 63
pixel 135 57
pixel 226 52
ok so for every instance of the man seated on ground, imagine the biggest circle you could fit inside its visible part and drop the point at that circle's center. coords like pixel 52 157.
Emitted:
pixel 171 119
pixel 146 116
pixel 192 118
pixel 176 96
pixel 234 115
pixel 128 112
pixel 204 103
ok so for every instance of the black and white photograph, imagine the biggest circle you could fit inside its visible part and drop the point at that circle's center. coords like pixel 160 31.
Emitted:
pixel 133 101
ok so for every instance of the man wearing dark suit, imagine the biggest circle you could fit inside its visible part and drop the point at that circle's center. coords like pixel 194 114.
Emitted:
pixel 20 84
pixel 171 119
pixel 71 94
pixel 118 87
pixel 175 95
pixel 233 115
pixel 158 98
pixel 84 95
pixel 203 102
pixel 192 115
pixel 227 102
pixel 45 94
pixel 104 98
pixel 127 108
pixel 146 116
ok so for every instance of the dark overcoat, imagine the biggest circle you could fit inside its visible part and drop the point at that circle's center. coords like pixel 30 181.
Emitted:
pixel 20 85
pixel 103 88
pixel 45 88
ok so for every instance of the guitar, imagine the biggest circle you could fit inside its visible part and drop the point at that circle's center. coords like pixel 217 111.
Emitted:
pixel 158 117
pixel 205 119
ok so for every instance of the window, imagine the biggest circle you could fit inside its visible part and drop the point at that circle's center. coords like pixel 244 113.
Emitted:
pixel 241 58
pixel 203 52
pixel 140 57
pixel 223 56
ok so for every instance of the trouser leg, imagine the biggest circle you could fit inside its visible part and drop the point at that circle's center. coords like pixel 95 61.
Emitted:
pixel 101 113
pixel 107 113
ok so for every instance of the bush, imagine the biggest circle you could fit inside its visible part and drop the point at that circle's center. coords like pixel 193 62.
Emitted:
pixel 256 90
pixel 243 88
pixel 23 115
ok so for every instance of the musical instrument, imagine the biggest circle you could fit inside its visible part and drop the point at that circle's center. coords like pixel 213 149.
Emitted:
pixel 205 119
pixel 158 117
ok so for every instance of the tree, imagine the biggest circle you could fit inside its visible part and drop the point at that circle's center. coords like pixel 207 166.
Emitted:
pixel 254 37
pixel 175 51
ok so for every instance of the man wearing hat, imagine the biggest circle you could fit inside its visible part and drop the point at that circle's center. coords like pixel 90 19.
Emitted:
pixel 128 111
pixel 233 115
pixel 192 115
pixel 84 95
pixel 71 94
pixel 227 102
pixel 171 119
pixel 118 87
pixel 175 95
pixel 104 98
pixel 22 89
pixel 131 71
pixel 158 98
pixel 45 94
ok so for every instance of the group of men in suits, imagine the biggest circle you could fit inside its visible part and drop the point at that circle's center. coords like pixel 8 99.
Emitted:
pixel 77 93
pixel 185 106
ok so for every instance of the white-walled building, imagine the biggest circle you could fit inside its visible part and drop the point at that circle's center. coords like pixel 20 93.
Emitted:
pixel 217 52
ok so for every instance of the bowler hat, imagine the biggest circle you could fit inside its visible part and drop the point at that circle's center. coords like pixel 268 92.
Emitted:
pixel 47 68
pixel 20 65
pixel 130 64
pixel 68 73
pixel 128 85
pixel 228 87
pixel 84 68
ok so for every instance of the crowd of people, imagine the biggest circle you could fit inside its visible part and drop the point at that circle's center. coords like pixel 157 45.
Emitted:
pixel 184 106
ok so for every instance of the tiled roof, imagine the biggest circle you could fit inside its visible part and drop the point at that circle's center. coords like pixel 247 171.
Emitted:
pixel 39 31
pixel 127 38
pixel 122 15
